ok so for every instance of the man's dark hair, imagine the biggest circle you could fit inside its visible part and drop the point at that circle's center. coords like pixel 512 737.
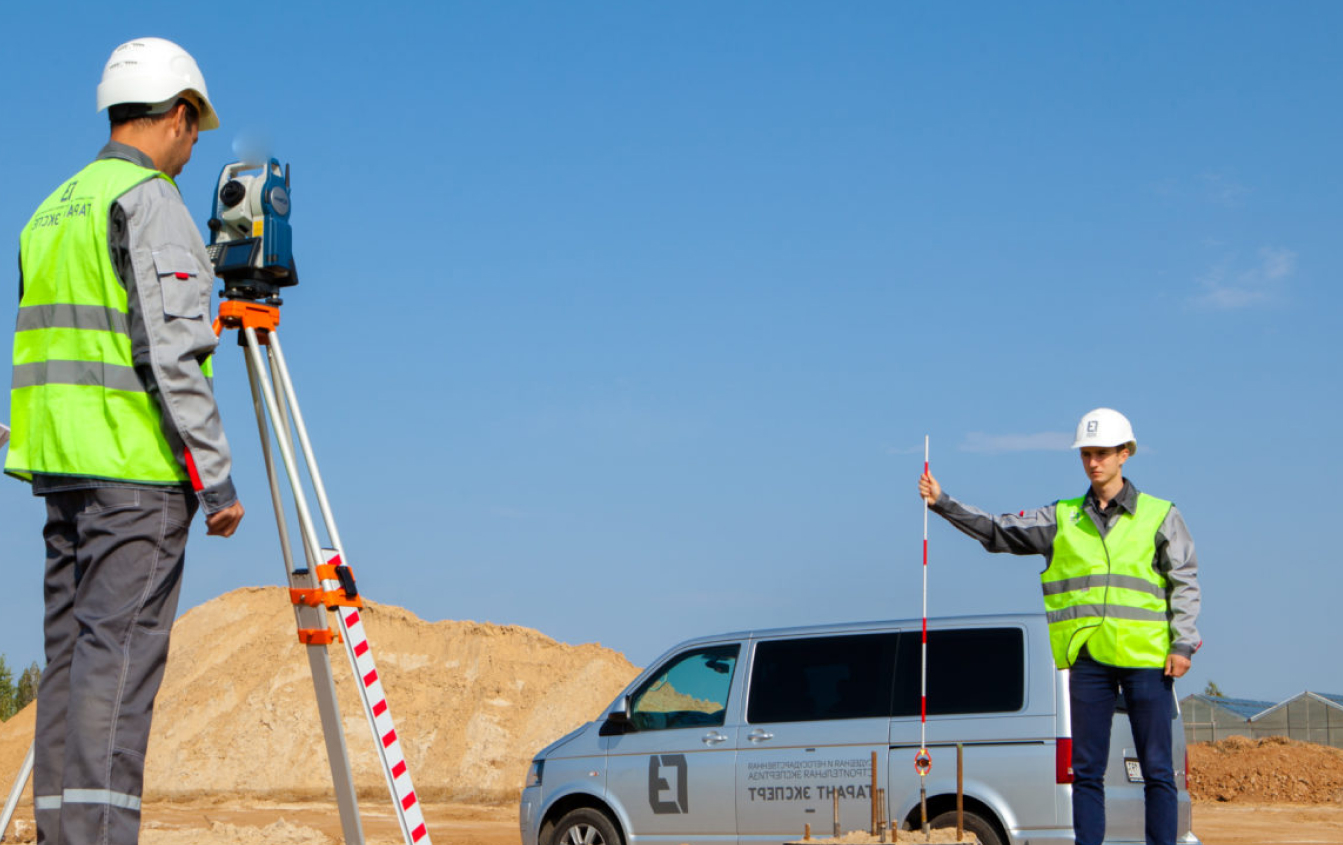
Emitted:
pixel 123 113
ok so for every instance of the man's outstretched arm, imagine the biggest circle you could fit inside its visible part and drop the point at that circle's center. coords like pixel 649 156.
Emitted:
pixel 1025 533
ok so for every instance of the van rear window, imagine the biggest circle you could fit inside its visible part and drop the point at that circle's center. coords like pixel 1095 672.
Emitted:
pixel 820 678
pixel 970 670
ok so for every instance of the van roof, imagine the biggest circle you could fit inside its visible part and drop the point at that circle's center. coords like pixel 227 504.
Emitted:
pixel 976 621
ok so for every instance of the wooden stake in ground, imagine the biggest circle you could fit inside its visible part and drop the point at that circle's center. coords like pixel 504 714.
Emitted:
pixel 881 813
pixel 876 822
pixel 960 791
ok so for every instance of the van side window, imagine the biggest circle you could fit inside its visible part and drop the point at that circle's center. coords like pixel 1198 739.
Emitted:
pixel 690 691
pixel 970 670
pixel 817 678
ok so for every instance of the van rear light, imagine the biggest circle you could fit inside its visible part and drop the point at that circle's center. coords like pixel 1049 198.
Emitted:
pixel 1063 760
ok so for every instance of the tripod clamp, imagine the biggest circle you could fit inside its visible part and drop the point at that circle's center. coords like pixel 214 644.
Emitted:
pixel 241 314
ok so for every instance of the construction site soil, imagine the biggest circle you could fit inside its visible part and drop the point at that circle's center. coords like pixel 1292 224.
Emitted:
pixel 237 756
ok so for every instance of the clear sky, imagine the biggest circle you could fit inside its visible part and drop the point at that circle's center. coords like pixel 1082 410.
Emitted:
pixel 626 322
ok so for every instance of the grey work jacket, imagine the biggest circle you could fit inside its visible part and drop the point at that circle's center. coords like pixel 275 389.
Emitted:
pixel 151 234
pixel 1032 532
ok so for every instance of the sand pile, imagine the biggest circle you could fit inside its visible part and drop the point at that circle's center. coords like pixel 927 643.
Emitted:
pixel 472 703
pixel 1265 770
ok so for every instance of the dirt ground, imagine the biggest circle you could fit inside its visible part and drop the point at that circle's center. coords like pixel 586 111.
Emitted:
pixel 1218 823
pixel 317 823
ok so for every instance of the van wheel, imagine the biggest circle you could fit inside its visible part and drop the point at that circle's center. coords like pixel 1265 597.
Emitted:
pixel 976 824
pixel 586 826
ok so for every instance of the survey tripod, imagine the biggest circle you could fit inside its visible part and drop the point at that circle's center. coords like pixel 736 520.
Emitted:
pixel 322 583
pixel 325 582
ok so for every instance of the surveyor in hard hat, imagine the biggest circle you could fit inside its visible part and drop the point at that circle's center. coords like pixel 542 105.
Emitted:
pixel 115 425
pixel 1122 599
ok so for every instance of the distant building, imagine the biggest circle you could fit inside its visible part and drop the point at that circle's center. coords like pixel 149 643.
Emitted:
pixel 1208 718
pixel 1308 717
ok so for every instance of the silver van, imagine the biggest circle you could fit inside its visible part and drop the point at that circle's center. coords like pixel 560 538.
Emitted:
pixel 748 737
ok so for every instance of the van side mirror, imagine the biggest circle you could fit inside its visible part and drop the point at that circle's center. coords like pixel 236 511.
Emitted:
pixel 618 721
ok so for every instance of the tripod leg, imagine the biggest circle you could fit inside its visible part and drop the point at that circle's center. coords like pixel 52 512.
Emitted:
pixel 409 813
pixel 276 499
pixel 319 659
pixel 16 792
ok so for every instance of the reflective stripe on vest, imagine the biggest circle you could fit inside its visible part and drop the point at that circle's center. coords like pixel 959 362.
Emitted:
pixel 1104 592
pixel 78 407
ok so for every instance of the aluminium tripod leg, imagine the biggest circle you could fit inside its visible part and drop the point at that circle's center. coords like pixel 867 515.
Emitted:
pixel 409 813
pixel 319 659
pixel 16 792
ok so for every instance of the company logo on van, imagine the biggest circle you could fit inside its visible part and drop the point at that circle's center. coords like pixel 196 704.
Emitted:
pixel 667 780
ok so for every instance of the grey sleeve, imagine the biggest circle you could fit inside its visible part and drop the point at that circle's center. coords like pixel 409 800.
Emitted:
pixel 1026 533
pixel 161 259
pixel 1175 558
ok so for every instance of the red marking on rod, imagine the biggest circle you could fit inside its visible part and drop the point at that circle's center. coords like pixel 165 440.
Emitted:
pixel 379 708
pixel 925 630
pixel 418 833
pixel 923 707
pixel 370 678
pixel 334 560
pixel 398 770
pixel 408 801
pixel 353 618
pixel 389 739
pixel 925 551
pixel 361 648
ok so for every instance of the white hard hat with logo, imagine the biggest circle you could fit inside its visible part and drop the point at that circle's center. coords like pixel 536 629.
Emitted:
pixel 1105 427
pixel 154 71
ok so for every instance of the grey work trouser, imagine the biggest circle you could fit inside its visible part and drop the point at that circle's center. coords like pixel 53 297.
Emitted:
pixel 114 568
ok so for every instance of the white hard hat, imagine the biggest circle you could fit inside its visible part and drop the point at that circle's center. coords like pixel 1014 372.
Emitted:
pixel 1105 427
pixel 154 71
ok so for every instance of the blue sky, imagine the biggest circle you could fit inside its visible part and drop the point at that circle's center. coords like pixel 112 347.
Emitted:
pixel 626 322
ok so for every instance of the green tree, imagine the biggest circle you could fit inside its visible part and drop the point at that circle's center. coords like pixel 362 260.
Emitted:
pixel 1213 691
pixel 26 690
pixel 6 690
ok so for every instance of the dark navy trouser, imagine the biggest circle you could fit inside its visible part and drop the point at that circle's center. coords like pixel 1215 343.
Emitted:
pixel 1149 697
pixel 114 567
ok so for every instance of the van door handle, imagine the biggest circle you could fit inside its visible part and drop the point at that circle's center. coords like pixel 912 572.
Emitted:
pixel 713 738
pixel 759 735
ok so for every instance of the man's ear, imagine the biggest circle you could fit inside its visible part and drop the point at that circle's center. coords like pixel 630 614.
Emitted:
pixel 181 118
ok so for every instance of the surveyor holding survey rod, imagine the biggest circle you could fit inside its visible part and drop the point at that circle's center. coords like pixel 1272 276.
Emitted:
pixel 1122 600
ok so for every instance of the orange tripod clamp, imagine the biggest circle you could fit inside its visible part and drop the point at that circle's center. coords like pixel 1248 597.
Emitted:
pixel 237 314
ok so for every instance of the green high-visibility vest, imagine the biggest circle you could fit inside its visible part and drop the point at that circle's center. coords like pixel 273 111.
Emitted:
pixel 1102 592
pixel 78 407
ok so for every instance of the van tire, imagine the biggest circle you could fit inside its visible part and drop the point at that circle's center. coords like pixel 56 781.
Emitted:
pixel 974 823
pixel 586 826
